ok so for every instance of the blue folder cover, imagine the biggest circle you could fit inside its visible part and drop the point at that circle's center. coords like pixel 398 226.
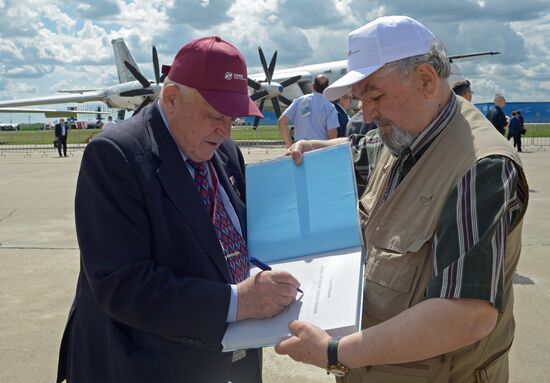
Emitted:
pixel 295 211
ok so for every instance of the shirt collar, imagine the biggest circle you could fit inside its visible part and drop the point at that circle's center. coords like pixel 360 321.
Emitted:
pixel 429 134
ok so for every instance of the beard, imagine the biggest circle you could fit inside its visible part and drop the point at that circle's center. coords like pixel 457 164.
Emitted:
pixel 398 140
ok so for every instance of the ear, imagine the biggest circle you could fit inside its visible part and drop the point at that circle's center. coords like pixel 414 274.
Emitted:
pixel 170 97
pixel 427 80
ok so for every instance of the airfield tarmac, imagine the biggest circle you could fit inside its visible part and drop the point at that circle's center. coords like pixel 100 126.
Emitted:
pixel 39 266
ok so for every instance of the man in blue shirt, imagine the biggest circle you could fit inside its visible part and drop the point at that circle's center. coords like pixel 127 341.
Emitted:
pixel 314 117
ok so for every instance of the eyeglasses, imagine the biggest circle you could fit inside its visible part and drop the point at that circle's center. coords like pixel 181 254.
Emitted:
pixel 347 97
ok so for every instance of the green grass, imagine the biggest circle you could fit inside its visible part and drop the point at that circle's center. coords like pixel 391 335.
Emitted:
pixel 80 136
pixel 542 130
pixel 29 137
pixel 239 133
pixel 263 132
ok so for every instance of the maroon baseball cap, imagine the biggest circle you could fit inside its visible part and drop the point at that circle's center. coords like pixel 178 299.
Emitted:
pixel 217 70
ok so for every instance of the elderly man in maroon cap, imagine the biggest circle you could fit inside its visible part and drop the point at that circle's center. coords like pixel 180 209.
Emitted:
pixel 160 220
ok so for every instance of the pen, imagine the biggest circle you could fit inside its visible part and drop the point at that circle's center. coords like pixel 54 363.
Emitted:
pixel 265 267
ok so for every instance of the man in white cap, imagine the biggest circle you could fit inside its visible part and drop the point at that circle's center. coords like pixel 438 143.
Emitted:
pixel 442 215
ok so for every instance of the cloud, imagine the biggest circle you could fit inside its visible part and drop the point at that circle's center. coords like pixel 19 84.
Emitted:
pixel 308 14
pixel 28 71
pixel 50 43
pixel 21 88
pixel 199 13
pixel 97 9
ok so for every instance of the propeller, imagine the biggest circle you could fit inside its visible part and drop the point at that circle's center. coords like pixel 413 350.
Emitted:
pixel 268 88
pixel 146 101
pixel 145 91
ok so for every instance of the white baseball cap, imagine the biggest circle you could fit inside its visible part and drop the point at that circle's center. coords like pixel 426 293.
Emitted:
pixel 386 39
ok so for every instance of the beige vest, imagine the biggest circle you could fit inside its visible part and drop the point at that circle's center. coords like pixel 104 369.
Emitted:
pixel 398 237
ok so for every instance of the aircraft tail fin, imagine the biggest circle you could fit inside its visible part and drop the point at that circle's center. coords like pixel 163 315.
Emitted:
pixel 123 54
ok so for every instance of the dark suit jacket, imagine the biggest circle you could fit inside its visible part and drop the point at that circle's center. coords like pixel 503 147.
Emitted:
pixel 152 294
pixel 498 118
pixel 343 119
pixel 58 130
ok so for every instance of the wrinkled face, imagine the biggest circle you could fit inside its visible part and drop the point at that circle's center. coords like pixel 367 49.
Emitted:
pixel 395 105
pixel 197 127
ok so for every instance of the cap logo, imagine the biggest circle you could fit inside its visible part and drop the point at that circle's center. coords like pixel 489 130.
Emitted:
pixel 234 76
pixel 351 53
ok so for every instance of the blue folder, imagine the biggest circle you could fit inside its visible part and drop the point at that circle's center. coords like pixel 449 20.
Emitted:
pixel 296 211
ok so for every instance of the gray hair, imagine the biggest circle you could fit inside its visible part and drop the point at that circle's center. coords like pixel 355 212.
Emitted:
pixel 497 97
pixel 184 89
pixel 437 58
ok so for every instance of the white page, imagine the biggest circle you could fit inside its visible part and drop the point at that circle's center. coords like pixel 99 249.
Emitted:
pixel 333 287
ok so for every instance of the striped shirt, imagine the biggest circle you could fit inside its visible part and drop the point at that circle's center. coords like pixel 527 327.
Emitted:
pixel 470 237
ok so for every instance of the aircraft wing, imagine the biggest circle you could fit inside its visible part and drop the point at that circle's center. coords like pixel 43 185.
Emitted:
pixel 55 99
pixel 282 75
pixel 51 113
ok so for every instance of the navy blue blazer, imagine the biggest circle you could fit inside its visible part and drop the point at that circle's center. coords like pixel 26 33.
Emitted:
pixel 153 294
pixel 58 130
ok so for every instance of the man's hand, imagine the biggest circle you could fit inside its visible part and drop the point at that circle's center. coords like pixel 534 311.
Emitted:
pixel 308 345
pixel 296 150
pixel 265 294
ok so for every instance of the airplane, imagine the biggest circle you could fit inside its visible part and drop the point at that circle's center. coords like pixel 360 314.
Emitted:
pixel 135 91
pixel 287 84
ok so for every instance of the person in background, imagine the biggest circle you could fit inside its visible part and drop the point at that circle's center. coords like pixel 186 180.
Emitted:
pixel 61 134
pixel 314 117
pixel 441 217
pixel 109 124
pixel 514 130
pixel 521 121
pixel 462 88
pixel 160 221
pixel 496 114
pixel 342 105
pixel 357 124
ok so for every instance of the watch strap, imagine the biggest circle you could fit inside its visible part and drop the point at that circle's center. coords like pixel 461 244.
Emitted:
pixel 332 351
pixel 334 367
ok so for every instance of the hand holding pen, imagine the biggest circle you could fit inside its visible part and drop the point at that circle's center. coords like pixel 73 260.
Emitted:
pixel 265 294
pixel 263 266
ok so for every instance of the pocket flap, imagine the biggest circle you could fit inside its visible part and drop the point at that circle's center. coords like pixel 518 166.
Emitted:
pixel 390 273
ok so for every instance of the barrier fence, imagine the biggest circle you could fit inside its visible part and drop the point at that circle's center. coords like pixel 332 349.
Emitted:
pixel 11 143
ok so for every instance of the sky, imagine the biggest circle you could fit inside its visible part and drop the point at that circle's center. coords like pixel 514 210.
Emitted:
pixel 51 45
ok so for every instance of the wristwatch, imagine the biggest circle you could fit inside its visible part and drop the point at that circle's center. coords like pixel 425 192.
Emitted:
pixel 334 367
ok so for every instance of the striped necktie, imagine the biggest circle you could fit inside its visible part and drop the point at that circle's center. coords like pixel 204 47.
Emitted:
pixel 233 244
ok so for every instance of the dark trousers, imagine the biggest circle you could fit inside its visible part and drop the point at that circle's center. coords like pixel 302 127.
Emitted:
pixel 62 142
pixel 517 140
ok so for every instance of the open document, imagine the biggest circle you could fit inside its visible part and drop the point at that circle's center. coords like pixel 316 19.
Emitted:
pixel 304 219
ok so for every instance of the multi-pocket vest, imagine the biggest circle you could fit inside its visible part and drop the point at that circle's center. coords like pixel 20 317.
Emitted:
pixel 398 238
